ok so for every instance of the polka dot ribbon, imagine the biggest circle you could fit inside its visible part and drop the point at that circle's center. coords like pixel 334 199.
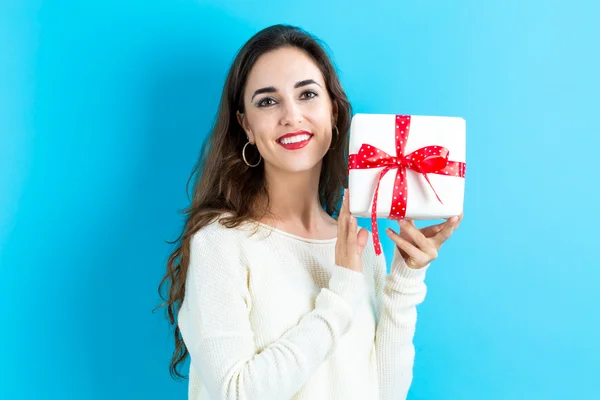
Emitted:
pixel 426 160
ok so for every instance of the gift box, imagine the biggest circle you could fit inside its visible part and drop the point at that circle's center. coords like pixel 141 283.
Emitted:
pixel 406 166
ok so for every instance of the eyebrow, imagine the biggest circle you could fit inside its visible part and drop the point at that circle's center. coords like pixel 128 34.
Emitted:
pixel 271 89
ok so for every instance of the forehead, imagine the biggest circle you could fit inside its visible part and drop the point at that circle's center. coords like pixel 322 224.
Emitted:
pixel 282 68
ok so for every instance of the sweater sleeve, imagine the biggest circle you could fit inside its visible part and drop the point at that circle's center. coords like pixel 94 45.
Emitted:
pixel 397 294
pixel 215 325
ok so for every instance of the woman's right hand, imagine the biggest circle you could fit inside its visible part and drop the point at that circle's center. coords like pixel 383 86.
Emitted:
pixel 350 244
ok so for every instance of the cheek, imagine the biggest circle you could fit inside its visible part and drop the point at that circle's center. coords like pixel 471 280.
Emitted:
pixel 322 114
pixel 261 125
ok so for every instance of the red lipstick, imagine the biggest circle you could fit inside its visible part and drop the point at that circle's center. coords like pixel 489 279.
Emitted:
pixel 295 145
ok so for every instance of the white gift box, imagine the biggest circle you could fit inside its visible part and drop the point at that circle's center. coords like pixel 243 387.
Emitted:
pixel 379 131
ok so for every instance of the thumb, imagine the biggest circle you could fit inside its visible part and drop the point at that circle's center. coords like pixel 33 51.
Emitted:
pixel 361 240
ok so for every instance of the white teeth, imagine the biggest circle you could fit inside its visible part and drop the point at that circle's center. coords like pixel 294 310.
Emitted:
pixel 294 139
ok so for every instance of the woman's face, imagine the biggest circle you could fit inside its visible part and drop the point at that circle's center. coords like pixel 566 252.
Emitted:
pixel 286 95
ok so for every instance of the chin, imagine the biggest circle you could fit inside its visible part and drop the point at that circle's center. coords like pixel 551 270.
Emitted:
pixel 300 165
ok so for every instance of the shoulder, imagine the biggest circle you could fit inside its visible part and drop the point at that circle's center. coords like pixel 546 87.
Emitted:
pixel 217 238
pixel 214 228
pixel 216 251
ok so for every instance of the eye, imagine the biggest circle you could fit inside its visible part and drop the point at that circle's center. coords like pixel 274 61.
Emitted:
pixel 312 93
pixel 262 102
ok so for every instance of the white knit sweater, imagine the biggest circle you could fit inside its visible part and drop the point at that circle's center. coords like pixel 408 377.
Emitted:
pixel 271 316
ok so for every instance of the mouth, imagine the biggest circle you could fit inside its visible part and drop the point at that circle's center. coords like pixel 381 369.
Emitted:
pixel 296 140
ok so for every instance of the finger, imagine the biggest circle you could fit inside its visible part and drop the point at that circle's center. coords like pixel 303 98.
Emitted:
pixel 361 240
pixel 343 220
pixel 354 229
pixel 343 209
pixel 418 238
pixel 446 232
pixel 412 251
pixel 460 217
pixel 432 230
pixel 351 239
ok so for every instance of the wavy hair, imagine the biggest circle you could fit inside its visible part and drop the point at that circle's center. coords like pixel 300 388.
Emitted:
pixel 224 183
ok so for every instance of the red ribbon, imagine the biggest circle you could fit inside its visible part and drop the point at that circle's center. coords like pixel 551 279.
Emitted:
pixel 426 160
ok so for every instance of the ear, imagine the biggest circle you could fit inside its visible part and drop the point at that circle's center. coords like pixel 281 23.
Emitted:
pixel 334 111
pixel 244 124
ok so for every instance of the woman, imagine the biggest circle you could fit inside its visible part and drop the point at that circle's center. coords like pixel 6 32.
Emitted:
pixel 275 298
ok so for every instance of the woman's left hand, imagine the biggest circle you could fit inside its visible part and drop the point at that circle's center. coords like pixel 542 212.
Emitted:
pixel 419 247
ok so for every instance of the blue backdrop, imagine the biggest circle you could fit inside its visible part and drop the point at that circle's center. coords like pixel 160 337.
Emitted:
pixel 104 105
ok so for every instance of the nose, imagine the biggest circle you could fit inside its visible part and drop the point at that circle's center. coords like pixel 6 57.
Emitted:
pixel 291 113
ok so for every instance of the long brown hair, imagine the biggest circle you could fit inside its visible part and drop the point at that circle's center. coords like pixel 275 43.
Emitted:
pixel 224 183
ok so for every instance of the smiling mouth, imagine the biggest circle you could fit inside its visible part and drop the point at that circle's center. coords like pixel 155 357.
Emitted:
pixel 295 139
pixel 297 142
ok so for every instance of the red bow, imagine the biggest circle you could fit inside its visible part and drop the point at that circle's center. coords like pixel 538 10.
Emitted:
pixel 426 160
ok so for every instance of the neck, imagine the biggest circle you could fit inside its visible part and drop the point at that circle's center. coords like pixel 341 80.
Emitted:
pixel 294 198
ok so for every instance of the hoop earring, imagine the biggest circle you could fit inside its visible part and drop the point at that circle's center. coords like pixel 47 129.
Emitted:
pixel 244 156
pixel 336 135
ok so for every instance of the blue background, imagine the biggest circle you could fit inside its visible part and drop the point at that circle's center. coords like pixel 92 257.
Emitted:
pixel 104 105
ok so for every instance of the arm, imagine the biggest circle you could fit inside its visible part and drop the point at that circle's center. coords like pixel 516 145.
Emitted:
pixel 397 295
pixel 216 328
